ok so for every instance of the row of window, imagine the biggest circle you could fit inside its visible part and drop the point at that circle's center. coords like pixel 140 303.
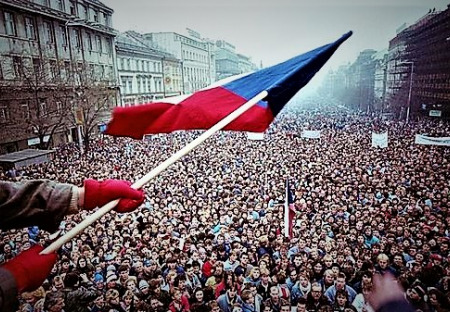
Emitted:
pixel 93 42
pixel 138 65
pixel 143 84
pixel 81 10
pixel 24 112
pixel 188 55
pixel 195 74
pixel 23 67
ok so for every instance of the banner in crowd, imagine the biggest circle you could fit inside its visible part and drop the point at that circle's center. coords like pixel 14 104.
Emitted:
pixel 206 107
pixel 255 136
pixel 311 134
pixel 426 140
pixel 380 139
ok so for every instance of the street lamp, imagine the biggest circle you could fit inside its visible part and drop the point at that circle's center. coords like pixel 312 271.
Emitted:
pixel 408 109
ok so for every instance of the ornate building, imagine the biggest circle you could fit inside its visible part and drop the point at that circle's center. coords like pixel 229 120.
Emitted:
pixel 195 53
pixel 145 74
pixel 57 71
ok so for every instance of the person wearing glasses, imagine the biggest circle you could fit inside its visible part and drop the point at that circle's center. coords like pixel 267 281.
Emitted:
pixel 315 299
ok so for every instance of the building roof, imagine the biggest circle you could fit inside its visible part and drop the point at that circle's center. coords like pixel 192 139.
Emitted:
pixel 25 157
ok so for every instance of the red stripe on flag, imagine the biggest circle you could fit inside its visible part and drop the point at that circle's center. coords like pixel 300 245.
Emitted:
pixel 201 110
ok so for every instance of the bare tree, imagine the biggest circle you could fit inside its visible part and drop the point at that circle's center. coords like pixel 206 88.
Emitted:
pixel 92 100
pixel 38 89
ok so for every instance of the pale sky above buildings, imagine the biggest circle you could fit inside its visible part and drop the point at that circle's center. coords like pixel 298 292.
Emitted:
pixel 272 31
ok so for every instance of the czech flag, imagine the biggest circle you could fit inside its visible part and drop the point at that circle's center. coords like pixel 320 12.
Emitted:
pixel 289 211
pixel 206 107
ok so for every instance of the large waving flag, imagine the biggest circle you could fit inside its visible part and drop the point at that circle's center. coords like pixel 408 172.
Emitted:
pixel 204 108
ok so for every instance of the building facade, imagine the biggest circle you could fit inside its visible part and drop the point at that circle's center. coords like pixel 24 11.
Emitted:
pixel 419 67
pixel 54 55
pixel 145 74
pixel 227 60
pixel 194 53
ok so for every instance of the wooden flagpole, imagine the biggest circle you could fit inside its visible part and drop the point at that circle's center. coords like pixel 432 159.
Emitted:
pixel 160 168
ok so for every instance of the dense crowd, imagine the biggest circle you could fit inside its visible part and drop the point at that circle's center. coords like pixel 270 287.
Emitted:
pixel 210 235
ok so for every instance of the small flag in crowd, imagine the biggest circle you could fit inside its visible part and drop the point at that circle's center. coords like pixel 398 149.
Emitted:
pixel 289 211
pixel 206 107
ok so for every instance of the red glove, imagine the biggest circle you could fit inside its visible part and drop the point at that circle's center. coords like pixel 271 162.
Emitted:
pixel 30 269
pixel 97 194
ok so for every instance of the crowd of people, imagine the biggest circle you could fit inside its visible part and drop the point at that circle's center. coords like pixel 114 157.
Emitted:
pixel 210 235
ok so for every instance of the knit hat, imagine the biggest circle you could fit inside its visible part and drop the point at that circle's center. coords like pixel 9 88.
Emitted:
pixel 98 278
pixel 143 284
pixel 109 273
pixel 111 278
pixel 239 271
pixel 110 268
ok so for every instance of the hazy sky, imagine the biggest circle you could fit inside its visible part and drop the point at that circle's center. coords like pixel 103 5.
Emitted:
pixel 273 31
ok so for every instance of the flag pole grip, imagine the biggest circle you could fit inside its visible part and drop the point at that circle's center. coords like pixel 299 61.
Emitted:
pixel 153 173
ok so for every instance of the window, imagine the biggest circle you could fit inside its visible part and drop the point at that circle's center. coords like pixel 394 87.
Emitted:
pixel 42 108
pixel 64 40
pixel 59 107
pixel 138 84
pixel 29 28
pixel 77 35
pixel 109 46
pixel 4 114
pixel 53 69
pixel 95 16
pixel 25 109
pixel 89 40
pixel 1 71
pixel 130 85
pixel 85 11
pixel 18 66
pixel 123 81
pixel 67 68
pixel 60 5
pixel 10 24
pixel 99 44
pixel 46 3
pixel 48 32
pixel 37 66
pixel 107 19
pixel 73 8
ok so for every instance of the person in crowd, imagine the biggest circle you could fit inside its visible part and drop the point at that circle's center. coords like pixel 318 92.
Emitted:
pixel 361 302
pixel 113 301
pixel 227 300
pixel 275 302
pixel 180 302
pixel 340 284
pixel 315 300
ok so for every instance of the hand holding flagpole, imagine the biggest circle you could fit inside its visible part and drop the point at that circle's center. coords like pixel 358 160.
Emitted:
pixel 156 171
